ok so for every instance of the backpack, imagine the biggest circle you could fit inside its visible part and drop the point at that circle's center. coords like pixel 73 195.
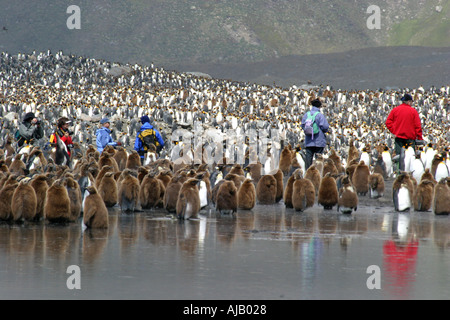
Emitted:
pixel 148 137
pixel 311 127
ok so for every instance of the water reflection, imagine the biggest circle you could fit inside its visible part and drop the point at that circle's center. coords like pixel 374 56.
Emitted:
pixel 302 244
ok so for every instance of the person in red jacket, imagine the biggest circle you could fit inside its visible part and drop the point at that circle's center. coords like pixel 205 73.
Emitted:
pixel 62 131
pixel 404 122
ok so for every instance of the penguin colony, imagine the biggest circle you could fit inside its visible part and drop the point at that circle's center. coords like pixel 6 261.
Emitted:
pixel 261 163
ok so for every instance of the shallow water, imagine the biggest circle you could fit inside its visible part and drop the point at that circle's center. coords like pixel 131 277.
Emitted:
pixel 268 253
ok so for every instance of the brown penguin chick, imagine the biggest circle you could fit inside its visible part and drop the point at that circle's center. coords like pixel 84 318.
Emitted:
pixel 90 150
pixel 337 161
pixel 376 185
pixel 441 203
pixel 151 191
pixel 165 176
pixel 403 192
pixel 227 198
pixel 287 195
pixel 236 178
pixel 142 172
pixel 348 199
pixel 427 175
pixel 121 157
pixel 17 166
pixel 74 192
pixel 188 203
pixel 303 192
pixel 23 202
pixel 171 193
pixel 108 190
pixel 57 203
pixel 106 159
pixel 329 166
pixel 128 191
pixel 278 175
pixel 254 169
pixel 237 169
pixel 40 185
pixel 353 152
pixel 95 213
pixel 360 178
pixel 6 194
pixel 314 176
pixel 284 163
pixel 423 195
pixel 247 195
pixel 328 193
pixel 101 173
pixel 266 189
pixel 133 160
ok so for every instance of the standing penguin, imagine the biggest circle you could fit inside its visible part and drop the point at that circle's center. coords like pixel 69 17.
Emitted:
pixel 278 175
pixel 417 167
pixel 128 191
pixel 247 195
pixel 376 185
pixel 171 194
pixel 188 203
pixel 6 194
pixel 108 190
pixel 24 202
pixel 313 174
pixel 57 203
pixel 360 178
pixel 423 197
pixel 403 192
pixel 387 159
pixel 285 159
pixel 74 192
pixel 348 198
pixel 303 192
pixel 441 203
pixel 40 185
pixel 150 191
pixel 266 189
pixel 328 192
pixel 226 198
pixel 287 195
pixel 95 213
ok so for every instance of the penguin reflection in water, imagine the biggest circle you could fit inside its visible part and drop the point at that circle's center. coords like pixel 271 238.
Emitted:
pixel 403 191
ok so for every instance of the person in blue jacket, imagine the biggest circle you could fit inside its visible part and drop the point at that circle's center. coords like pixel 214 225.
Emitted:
pixel 104 136
pixel 315 143
pixel 138 143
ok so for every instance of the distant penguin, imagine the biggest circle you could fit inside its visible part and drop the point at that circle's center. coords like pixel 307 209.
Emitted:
pixel 329 166
pixel 380 167
pixel 337 161
pixel 57 203
pixel 24 202
pixel 360 178
pixel 442 171
pixel 365 156
pixel 107 190
pixel 227 198
pixel 403 192
pixel 121 157
pixel 40 185
pixel 188 203
pixel 287 194
pixel 254 169
pixel 423 197
pixel 74 192
pixel 348 198
pixel 313 174
pixel 328 194
pixel 150 191
pixel 353 152
pixel 247 195
pixel 376 185
pixel 95 213
pixel 62 157
pixel 441 203
pixel 237 169
pixel 387 159
pixel 427 175
pixel 128 191
pixel 266 189
pixel 133 160
pixel 303 192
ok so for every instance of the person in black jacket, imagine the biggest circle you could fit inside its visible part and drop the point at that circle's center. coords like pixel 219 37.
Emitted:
pixel 30 130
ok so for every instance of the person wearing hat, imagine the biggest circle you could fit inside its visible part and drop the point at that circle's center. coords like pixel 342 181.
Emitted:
pixel 104 136
pixel 30 130
pixel 404 122
pixel 316 142
pixel 62 130
pixel 139 144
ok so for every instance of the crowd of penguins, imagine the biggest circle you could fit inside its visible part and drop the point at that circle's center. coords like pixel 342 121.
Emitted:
pixel 357 162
